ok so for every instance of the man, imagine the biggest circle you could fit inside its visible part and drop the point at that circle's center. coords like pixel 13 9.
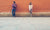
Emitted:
pixel 13 8
pixel 30 8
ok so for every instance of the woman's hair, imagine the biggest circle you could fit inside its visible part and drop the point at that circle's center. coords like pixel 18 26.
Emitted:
pixel 30 3
pixel 13 1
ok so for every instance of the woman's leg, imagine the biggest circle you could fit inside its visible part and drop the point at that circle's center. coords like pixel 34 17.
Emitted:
pixel 31 12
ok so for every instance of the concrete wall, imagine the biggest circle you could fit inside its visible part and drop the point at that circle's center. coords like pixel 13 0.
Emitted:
pixel 22 5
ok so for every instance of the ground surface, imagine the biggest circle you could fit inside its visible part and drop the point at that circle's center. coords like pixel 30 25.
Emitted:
pixel 24 23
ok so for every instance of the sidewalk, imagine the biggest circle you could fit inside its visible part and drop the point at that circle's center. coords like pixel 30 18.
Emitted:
pixel 24 23
pixel 26 14
pixel 9 14
pixel 41 14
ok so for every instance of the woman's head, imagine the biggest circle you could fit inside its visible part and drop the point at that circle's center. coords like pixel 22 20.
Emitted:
pixel 30 3
pixel 13 1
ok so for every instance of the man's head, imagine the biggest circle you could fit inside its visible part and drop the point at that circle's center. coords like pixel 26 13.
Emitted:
pixel 13 1
pixel 30 3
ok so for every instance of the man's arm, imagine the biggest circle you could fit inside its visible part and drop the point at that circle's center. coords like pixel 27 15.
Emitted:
pixel 15 5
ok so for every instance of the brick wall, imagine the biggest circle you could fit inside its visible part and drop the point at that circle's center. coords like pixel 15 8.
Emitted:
pixel 22 5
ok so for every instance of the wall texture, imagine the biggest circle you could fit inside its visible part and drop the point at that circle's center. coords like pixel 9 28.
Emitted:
pixel 22 5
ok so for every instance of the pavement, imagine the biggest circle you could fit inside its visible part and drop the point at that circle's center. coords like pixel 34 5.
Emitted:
pixel 25 14
pixel 24 23
pixel 41 14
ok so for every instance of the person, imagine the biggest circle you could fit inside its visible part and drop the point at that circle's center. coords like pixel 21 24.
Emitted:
pixel 30 8
pixel 13 8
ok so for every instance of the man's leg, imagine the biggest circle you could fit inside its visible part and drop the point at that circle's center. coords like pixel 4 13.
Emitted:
pixel 12 12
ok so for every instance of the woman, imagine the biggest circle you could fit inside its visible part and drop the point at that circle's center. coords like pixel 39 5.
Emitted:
pixel 30 8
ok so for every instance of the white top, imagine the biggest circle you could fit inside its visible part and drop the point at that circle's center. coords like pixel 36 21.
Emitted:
pixel 30 7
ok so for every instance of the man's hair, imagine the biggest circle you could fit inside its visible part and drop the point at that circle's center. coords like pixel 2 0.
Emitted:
pixel 13 1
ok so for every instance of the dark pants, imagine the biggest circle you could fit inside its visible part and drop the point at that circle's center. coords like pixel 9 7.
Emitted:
pixel 31 11
pixel 13 12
